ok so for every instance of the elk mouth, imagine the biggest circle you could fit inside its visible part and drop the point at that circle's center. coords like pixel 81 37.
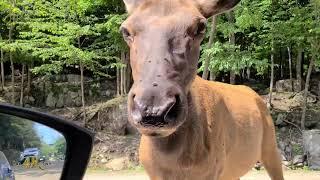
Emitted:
pixel 163 125
pixel 167 118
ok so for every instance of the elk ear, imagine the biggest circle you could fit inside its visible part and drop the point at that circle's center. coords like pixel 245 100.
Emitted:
pixel 132 4
pixel 210 8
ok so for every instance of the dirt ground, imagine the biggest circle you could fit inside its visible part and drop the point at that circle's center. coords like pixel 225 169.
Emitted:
pixel 103 175
pixel 50 172
pixel 253 175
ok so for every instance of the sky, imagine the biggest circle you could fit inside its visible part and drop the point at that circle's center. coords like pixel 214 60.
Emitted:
pixel 47 135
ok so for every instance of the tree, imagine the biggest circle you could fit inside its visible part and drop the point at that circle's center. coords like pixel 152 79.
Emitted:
pixel 17 134
pixel 232 41
pixel 211 39
pixel 313 25
pixel 60 146
pixel 11 18
pixel 116 48
pixel 1 63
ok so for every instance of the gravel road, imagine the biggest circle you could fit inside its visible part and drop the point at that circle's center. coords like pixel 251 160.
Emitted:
pixel 254 175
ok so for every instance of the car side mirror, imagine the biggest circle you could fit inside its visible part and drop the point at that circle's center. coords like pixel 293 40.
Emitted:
pixel 27 135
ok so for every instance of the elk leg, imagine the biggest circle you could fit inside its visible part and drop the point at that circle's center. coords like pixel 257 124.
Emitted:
pixel 270 155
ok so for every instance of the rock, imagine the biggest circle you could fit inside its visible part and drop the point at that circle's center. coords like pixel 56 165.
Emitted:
pixel 73 95
pixel 68 98
pixel 299 97
pixel 286 163
pixel 285 85
pixel 65 90
pixel 288 151
pixel 111 116
pixel 311 124
pixel 283 157
pixel 78 101
pixel 311 145
pixel 29 100
pixel 118 164
pixel 299 165
pixel 258 166
pixel 298 159
pixel 104 148
pixel 60 101
pixel 101 155
pixel 104 160
pixel 281 145
pixel 51 100
pixel 106 93
pixel 285 168
pixel 72 99
pixel 283 129
pixel 72 78
pixel 280 119
pixel 48 86
pixel 69 85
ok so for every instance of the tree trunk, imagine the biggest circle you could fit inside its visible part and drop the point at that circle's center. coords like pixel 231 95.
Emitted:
pixel 121 81
pixel 306 90
pixel 211 39
pixel 212 76
pixel 298 68
pixel 29 78
pixel 128 73
pixel 125 80
pixel 12 80
pixel 281 64
pixel 22 85
pixel 290 67
pixel 82 84
pixel 123 74
pixel 2 70
pixel 82 89
pixel 232 77
pixel 11 60
pixel 248 73
pixel 271 78
pixel 118 81
pixel 319 88
pixel 232 41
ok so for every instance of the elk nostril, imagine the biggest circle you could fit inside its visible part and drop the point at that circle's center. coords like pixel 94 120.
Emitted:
pixel 154 84
pixel 173 112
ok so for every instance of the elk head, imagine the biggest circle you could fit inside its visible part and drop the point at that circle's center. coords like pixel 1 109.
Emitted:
pixel 164 37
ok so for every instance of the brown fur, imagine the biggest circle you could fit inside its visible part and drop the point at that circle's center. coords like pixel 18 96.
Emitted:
pixel 227 131
pixel 192 129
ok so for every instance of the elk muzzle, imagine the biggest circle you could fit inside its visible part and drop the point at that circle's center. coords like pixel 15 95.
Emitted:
pixel 155 110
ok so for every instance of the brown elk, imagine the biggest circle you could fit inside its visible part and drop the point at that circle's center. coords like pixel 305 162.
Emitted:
pixel 191 128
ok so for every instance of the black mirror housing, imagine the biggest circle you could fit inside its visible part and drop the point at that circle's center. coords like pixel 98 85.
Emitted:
pixel 79 140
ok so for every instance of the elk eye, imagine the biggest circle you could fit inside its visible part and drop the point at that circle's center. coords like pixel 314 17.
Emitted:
pixel 201 28
pixel 126 34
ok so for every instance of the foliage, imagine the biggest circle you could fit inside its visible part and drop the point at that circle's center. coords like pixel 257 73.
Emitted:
pixel 17 133
pixel 62 33
pixel 60 146
pixel 58 35
pixel 258 26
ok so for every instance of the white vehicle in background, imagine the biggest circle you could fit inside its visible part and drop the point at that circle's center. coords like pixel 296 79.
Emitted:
pixel 29 152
